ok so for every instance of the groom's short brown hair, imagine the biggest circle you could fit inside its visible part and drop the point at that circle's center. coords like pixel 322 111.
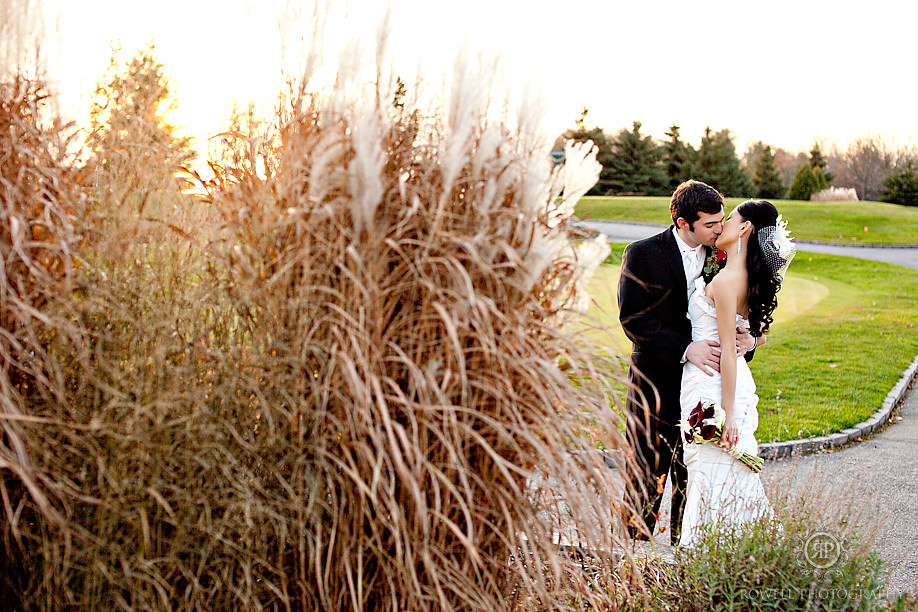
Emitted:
pixel 692 197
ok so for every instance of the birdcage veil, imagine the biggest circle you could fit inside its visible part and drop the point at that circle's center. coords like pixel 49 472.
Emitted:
pixel 777 247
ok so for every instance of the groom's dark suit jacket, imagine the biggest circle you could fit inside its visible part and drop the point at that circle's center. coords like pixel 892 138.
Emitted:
pixel 653 309
pixel 653 306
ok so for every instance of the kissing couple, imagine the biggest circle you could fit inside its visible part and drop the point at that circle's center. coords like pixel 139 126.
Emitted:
pixel 695 319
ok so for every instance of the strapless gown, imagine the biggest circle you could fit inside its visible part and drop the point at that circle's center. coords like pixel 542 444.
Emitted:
pixel 720 488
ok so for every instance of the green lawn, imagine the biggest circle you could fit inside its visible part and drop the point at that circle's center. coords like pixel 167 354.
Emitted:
pixel 842 222
pixel 844 332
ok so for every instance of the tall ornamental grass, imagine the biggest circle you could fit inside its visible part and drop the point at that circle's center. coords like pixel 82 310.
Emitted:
pixel 343 395
pixel 403 281
pixel 40 202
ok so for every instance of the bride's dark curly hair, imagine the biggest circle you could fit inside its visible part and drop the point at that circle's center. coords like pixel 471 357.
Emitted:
pixel 763 284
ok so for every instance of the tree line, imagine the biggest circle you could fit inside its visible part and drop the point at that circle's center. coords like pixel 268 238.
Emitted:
pixel 634 163
pixel 128 131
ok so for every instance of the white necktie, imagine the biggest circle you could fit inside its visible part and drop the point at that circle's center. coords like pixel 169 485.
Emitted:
pixel 695 264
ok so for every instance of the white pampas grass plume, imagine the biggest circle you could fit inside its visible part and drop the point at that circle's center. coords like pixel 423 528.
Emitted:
pixel 588 255
pixel 835 194
pixel 580 171
pixel 365 169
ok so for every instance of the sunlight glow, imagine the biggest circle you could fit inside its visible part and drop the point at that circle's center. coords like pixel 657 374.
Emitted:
pixel 786 75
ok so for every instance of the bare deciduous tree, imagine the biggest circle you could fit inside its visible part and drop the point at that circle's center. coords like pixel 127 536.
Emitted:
pixel 867 162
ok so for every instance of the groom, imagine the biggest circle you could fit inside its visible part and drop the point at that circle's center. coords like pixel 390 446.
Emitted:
pixel 658 275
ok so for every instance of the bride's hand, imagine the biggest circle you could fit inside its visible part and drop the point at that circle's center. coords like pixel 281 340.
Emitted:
pixel 731 434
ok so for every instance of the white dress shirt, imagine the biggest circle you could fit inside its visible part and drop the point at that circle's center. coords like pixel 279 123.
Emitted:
pixel 692 263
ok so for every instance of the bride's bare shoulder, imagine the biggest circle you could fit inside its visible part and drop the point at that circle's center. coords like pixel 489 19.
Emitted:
pixel 725 284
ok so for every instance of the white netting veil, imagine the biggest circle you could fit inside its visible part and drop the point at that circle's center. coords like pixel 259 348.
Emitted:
pixel 777 247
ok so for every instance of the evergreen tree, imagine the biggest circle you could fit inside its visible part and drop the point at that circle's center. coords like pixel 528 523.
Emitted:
pixel 901 187
pixel 807 182
pixel 819 162
pixel 766 181
pixel 752 155
pixel 635 165
pixel 719 166
pixel 604 154
pixel 677 159
pixel 136 151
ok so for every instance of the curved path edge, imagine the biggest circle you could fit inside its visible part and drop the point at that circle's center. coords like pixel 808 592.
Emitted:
pixel 775 450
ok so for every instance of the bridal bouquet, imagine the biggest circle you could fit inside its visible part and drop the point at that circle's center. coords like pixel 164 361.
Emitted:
pixel 706 424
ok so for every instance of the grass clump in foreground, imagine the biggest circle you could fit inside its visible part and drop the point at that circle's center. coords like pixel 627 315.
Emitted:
pixel 337 398
pixel 807 559
pixel 779 566
pixel 842 222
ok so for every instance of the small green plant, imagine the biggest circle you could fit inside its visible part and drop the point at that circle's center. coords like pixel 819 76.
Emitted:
pixel 806 558
pixel 779 565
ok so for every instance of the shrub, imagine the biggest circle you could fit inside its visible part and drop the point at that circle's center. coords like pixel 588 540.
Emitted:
pixel 901 186
pixel 835 194
pixel 816 554
pixel 764 566
pixel 411 277
pixel 806 182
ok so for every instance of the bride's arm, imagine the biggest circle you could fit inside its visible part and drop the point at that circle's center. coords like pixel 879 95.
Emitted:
pixel 725 295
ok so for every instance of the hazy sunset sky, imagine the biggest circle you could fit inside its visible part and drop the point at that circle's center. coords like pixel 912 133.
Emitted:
pixel 782 71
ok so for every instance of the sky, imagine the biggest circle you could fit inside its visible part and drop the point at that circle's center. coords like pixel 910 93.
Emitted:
pixel 786 72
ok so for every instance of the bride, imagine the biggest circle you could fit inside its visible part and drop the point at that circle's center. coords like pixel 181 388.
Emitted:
pixel 742 295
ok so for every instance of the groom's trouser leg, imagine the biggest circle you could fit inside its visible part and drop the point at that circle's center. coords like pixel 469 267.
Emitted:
pixel 679 480
pixel 652 412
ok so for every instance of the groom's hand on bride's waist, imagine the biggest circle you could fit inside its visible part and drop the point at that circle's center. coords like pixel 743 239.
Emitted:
pixel 705 354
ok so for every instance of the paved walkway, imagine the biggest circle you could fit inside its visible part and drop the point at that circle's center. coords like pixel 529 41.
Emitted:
pixel 877 478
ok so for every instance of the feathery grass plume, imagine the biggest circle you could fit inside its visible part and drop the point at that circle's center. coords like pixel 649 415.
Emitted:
pixel 402 280
pixel 835 194
pixel 21 35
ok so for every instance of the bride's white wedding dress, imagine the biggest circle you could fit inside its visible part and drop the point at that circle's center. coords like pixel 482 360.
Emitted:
pixel 720 487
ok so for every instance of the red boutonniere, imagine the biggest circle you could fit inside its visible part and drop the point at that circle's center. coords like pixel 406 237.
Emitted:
pixel 714 262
